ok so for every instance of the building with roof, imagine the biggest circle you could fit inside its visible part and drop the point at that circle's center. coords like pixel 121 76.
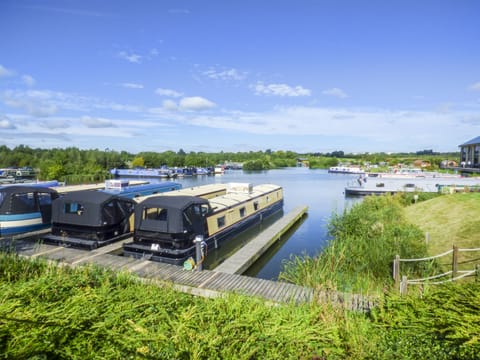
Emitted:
pixel 470 153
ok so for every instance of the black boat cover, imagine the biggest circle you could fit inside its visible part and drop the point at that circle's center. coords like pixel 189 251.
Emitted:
pixel 91 208
pixel 14 199
pixel 171 216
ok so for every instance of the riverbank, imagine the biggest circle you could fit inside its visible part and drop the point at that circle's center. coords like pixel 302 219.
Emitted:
pixel 55 312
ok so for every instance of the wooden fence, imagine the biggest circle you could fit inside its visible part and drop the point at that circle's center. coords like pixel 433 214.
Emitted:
pixel 454 274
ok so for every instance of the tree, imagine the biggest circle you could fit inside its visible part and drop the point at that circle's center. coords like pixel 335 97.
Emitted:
pixel 138 162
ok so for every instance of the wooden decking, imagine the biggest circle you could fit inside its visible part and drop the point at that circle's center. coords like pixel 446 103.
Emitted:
pixel 239 262
pixel 207 283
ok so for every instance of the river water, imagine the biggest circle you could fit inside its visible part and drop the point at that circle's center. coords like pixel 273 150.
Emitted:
pixel 321 191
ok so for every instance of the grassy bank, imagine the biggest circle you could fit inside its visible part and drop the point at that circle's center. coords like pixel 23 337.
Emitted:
pixel 365 240
pixel 450 219
pixel 49 312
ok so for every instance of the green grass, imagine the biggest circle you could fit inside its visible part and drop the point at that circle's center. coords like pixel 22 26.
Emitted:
pixel 449 219
pixel 49 312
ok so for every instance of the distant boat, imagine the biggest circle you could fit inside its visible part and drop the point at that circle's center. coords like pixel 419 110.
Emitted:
pixel 346 170
pixel 164 173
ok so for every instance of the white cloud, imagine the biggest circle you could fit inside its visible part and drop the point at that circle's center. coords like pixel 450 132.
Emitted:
pixel 280 90
pixel 130 57
pixel 168 92
pixel 33 102
pixel 132 86
pixel 5 123
pixel 196 103
pixel 229 74
pixel 28 80
pixel 335 92
pixel 96 122
pixel 4 72
pixel 170 105
pixel 475 87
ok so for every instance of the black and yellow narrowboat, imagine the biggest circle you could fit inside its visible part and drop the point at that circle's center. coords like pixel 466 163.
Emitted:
pixel 166 226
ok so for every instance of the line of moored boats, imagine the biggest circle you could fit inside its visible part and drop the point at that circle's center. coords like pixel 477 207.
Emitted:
pixel 163 219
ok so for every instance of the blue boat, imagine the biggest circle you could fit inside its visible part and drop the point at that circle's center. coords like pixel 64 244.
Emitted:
pixel 123 188
pixel 25 209
pixel 164 172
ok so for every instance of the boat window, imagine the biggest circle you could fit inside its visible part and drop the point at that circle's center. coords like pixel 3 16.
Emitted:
pixel 242 212
pixel 44 199
pixel 2 197
pixel 158 214
pixel 221 221
pixel 109 213
pixel 22 203
pixel 255 205
pixel 74 208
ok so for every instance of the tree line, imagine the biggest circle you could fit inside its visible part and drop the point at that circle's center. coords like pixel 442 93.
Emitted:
pixel 77 165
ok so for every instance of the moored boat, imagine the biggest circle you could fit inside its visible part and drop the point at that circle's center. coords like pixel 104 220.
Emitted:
pixel 123 188
pixel 90 219
pixel 25 209
pixel 166 226
pixel 346 170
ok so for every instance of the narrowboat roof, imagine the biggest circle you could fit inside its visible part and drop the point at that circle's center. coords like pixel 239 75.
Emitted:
pixel 174 202
pixel 233 198
pixel 88 196
pixel 191 191
pixel 90 204
pixel 13 189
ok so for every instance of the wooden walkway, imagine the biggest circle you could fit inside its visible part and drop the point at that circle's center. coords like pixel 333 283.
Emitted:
pixel 206 283
pixel 239 262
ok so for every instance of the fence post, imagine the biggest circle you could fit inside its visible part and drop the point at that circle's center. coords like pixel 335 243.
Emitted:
pixel 403 285
pixel 427 237
pixel 455 261
pixel 396 271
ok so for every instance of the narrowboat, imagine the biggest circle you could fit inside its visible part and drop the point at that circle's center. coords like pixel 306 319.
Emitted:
pixel 90 219
pixel 123 188
pixel 25 209
pixel 166 226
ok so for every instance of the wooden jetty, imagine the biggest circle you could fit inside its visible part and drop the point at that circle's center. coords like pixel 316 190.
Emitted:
pixel 239 262
pixel 206 283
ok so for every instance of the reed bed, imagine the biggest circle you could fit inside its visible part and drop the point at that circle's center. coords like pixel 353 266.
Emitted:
pixel 364 242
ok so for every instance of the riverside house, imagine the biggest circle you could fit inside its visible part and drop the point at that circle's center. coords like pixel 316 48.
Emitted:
pixel 470 153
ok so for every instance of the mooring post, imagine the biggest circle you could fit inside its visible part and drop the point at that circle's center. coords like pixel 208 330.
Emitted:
pixel 455 261
pixel 403 285
pixel 198 252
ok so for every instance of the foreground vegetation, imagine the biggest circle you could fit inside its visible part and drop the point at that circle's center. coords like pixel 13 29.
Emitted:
pixel 56 312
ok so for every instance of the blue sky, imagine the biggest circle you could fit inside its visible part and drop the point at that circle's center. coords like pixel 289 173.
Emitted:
pixel 197 75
